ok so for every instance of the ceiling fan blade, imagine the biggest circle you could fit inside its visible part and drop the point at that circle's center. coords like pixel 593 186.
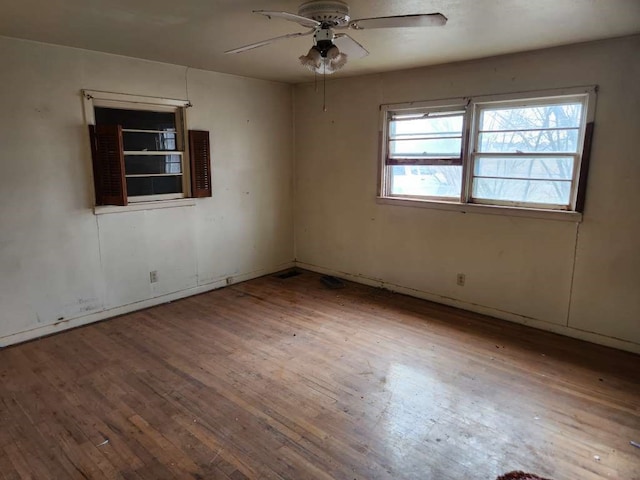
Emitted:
pixel 251 46
pixel 292 17
pixel 400 21
pixel 348 45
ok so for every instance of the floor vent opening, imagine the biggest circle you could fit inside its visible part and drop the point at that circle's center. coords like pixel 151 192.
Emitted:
pixel 289 274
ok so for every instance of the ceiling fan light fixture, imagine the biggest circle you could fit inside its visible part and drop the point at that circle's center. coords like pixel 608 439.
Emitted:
pixel 313 59
pixel 332 60
pixel 336 58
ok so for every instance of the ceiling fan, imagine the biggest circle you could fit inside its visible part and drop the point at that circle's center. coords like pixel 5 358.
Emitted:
pixel 331 49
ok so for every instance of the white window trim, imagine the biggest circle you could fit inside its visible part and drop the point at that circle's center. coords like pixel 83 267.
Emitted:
pixel 471 105
pixel 561 215
pixel 96 98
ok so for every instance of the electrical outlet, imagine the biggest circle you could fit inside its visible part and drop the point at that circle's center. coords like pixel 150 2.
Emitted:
pixel 229 280
pixel 153 276
pixel 460 279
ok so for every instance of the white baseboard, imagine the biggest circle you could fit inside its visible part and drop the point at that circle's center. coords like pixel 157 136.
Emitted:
pixel 74 322
pixel 67 324
pixel 512 317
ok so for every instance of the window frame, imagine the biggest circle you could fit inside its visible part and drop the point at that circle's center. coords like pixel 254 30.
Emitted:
pixel 93 99
pixel 386 112
pixel 473 107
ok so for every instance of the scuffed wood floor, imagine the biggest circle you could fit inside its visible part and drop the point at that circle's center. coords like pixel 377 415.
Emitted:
pixel 285 379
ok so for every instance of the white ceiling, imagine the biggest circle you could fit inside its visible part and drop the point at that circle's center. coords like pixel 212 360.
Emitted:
pixel 196 32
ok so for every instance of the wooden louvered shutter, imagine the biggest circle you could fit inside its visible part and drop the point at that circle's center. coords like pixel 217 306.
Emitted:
pixel 108 164
pixel 200 161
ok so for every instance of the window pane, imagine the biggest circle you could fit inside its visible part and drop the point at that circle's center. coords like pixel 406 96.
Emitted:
pixel 141 164
pixel 428 181
pixel 529 141
pixel 153 185
pixel 556 168
pixel 426 125
pixel 434 134
pixel 140 141
pixel 526 191
pixel 442 147
pixel 135 119
pixel 521 118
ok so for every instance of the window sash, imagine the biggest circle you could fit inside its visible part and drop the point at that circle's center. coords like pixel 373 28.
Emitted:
pixel 417 112
pixel 514 179
pixel 476 153
pixel 156 198
pixel 147 175
pixel 444 198
pixel 524 204
pixel 391 161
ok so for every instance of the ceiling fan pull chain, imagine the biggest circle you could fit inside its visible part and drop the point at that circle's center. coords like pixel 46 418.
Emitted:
pixel 324 87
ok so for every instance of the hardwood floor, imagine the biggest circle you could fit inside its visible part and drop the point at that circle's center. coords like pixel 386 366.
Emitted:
pixel 286 379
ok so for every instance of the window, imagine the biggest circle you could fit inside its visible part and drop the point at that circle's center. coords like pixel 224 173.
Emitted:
pixel 527 152
pixel 425 153
pixel 153 150
pixel 140 153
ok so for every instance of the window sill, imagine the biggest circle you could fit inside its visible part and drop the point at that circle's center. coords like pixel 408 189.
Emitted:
pixel 559 215
pixel 134 207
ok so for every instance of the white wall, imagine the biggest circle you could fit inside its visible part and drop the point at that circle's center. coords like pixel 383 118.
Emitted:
pixel 59 260
pixel 577 279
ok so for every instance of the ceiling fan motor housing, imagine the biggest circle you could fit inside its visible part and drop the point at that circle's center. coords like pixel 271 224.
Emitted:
pixel 324 40
pixel 331 13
